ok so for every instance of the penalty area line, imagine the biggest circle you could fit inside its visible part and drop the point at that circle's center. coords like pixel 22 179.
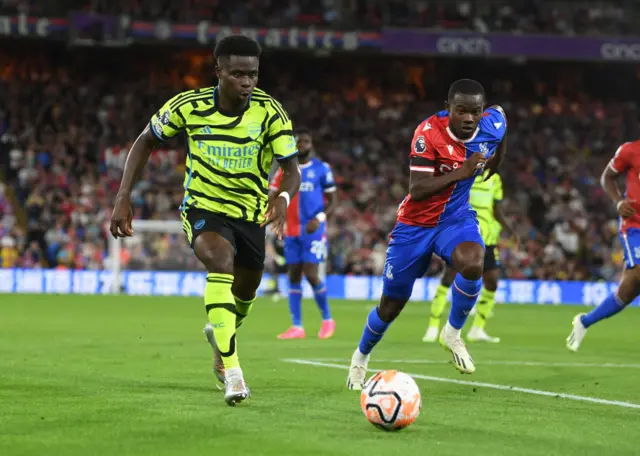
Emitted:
pixel 494 363
pixel 517 389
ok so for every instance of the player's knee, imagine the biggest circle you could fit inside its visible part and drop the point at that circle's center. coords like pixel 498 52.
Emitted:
pixel 389 308
pixel 295 273
pixel 468 260
pixel 629 288
pixel 245 283
pixel 313 279
pixel 471 271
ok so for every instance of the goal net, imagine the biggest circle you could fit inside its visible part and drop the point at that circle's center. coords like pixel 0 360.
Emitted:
pixel 157 260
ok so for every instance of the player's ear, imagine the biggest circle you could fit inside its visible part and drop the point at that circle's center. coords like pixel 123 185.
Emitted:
pixel 446 105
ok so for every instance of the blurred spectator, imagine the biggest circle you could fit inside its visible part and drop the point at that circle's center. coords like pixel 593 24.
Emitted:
pixel 68 121
pixel 592 17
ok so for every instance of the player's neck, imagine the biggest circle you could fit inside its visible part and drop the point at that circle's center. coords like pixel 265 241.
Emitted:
pixel 227 105
pixel 304 160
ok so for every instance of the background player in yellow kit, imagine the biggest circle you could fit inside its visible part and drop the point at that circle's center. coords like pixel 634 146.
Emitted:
pixel 486 197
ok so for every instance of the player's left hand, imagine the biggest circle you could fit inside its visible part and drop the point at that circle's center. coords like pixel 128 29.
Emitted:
pixel 276 216
pixel 312 226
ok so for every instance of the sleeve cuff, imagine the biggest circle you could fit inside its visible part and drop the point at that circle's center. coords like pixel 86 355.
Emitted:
pixel 286 158
pixel 155 133
pixel 613 168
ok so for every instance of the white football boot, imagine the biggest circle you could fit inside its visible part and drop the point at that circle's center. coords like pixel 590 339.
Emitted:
pixel 431 335
pixel 218 365
pixel 235 388
pixel 357 371
pixel 577 334
pixel 450 339
pixel 476 334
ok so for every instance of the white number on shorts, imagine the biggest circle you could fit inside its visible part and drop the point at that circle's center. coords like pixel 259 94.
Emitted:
pixel 319 249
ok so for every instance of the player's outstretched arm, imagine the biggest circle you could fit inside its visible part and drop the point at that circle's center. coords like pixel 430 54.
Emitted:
pixel 137 158
pixel 423 185
pixel 610 185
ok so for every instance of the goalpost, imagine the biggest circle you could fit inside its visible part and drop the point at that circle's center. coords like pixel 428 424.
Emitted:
pixel 140 228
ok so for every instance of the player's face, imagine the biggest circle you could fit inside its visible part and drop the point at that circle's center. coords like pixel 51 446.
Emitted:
pixel 465 112
pixel 305 144
pixel 238 76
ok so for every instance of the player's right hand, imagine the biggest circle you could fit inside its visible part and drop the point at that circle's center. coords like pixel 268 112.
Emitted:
pixel 276 216
pixel 312 226
pixel 122 218
pixel 473 164
pixel 626 209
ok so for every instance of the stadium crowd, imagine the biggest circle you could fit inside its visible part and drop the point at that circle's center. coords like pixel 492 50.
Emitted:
pixel 593 17
pixel 66 121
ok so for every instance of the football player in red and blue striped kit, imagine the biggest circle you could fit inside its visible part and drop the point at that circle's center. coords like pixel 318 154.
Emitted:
pixel 449 149
pixel 626 161
pixel 305 243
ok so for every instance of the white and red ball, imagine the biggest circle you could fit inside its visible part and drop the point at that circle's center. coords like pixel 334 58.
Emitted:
pixel 391 400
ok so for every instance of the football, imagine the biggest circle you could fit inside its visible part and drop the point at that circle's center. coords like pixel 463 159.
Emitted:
pixel 391 400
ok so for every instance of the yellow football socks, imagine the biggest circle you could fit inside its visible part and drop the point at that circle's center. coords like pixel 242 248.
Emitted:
pixel 242 310
pixel 484 306
pixel 437 306
pixel 221 310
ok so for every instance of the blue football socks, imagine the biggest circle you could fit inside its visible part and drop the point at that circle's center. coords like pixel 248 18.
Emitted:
pixel 374 329
pixel 607 308
pixel 320 293
pixel 463 297
pixel 295 303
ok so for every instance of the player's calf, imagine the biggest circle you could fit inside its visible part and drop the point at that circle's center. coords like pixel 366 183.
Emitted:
pixel 217 255
pixel 468 259
pixel 438 304
pixel 320 294
pixel 378 321
pixel 628 290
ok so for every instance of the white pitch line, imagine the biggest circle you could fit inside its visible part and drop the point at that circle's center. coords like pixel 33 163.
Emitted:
pixel 494 363
pixel 573 397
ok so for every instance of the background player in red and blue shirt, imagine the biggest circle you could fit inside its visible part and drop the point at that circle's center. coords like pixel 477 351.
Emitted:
pixel 305 243
pixel 449 149
pixel 627 161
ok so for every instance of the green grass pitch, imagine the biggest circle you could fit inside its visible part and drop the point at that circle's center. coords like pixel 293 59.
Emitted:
pixel 119 376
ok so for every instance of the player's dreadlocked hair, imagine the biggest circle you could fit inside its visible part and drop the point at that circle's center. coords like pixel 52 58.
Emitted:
pixel 466 87
pixel 237 45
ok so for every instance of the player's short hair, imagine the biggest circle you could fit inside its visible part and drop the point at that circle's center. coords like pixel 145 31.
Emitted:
pixel 240 45
pixel 466 87
pixel 302 131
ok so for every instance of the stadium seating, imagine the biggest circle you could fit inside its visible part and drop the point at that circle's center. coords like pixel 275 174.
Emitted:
pixel 67 127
